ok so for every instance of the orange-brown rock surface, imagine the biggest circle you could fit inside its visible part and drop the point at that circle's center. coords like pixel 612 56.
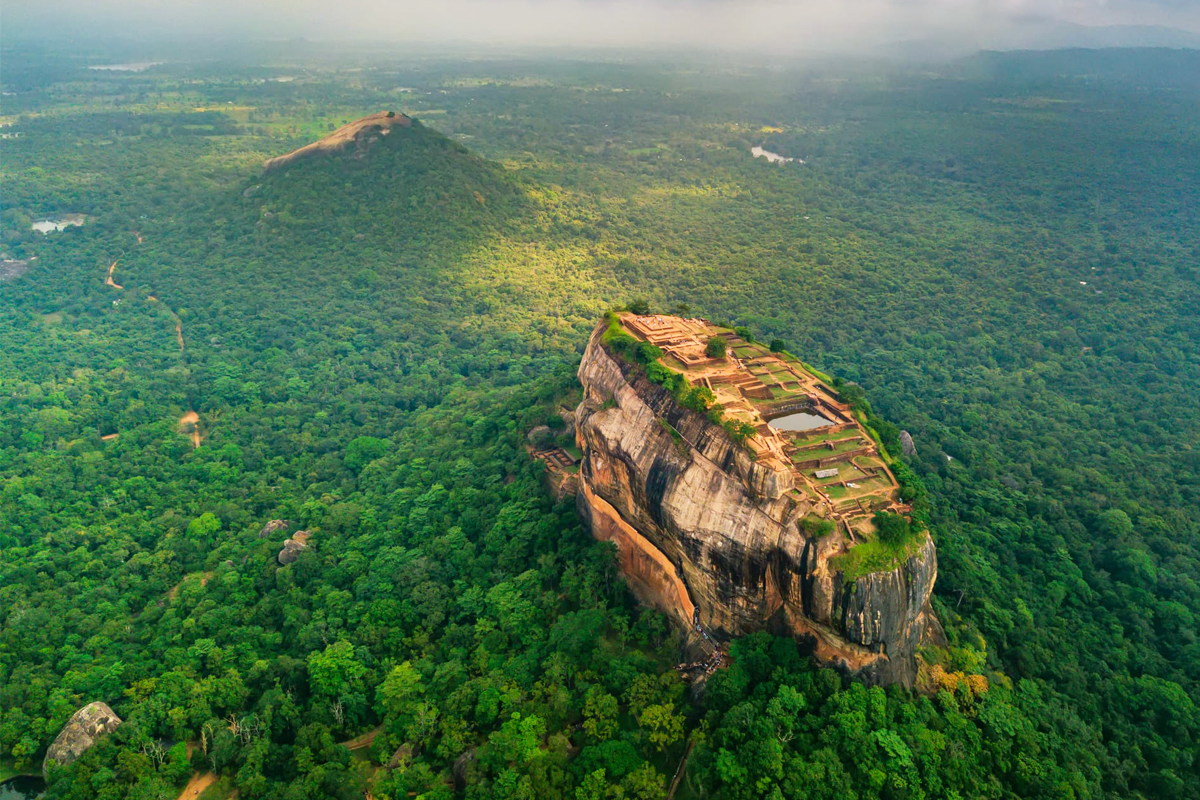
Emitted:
pixel 358 134
pixel 707 534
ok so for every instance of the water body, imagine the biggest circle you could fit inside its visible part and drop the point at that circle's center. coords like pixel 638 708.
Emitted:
pixel 759 152
pixel 22 787
pixel 135 66
pixel 58 223
pixel 801 421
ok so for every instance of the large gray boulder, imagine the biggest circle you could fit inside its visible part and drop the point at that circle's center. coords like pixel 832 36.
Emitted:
pixel 293 547
pixel 906 444
pixel 81 732
pixel 273 527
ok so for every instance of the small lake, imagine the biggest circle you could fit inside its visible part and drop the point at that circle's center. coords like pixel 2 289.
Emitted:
pixel 135 66
pixel 774 158
pixel 22 787
pixel 801 421
pixel 58 223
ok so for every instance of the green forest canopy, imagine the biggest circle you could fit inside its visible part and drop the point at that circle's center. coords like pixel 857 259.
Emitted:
pixel 1002 254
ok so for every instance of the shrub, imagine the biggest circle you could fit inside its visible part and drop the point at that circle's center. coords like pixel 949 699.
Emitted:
pixel 777 346
pixel 738 431
pixel 715 347
pixel 697 398
pixel 744 332
pixel 893 529
pixel 816 527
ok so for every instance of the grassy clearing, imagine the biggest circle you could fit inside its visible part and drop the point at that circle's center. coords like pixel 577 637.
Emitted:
pixel 873 556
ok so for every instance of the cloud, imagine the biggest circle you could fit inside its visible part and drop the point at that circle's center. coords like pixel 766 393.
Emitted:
pixel 776 25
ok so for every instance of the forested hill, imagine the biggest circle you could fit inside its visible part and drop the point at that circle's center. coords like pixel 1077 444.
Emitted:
pixel 394 188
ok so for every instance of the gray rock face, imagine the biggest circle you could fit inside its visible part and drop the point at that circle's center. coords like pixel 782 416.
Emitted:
pixel 293 547
pixel 707 535
pixel 906 444
pixel 273 527
pixel 541 436
pixel 81 731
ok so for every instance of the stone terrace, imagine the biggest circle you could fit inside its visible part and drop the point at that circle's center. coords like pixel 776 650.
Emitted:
pixel 756 386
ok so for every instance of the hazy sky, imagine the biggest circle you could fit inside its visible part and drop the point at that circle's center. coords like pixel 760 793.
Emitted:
pixel 774 24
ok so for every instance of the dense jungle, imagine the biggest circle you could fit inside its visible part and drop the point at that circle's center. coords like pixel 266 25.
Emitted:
pixel 1002 253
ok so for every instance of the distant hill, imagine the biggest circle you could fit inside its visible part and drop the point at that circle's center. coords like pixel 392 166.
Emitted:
pixel 384 175
pixel 1145 66
pixel 1037 33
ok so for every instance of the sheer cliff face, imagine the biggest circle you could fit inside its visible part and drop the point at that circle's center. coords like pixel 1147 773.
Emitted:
pixel 703 530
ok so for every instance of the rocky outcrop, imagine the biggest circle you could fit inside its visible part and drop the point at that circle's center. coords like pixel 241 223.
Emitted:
pixel 906 444
pixel 273 527
pixel 708 535
pixel 359 135
pixel 293 547
pixel 81 732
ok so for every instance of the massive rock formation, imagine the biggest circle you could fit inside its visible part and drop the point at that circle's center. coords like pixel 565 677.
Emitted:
pixel 711 537
pixel 81 731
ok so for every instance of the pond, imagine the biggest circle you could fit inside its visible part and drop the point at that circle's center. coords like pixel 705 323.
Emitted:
pixel 761 152
pixel 136 66
pixel 58 222
pixel 22 787
pixel 801 421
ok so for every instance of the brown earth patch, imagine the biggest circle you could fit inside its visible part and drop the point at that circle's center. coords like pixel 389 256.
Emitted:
pixel 189 424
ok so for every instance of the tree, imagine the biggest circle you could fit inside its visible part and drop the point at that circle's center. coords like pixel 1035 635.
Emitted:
pixel 399 691
pixel 600 714
pixel 363 450
pixel 716 347
pixel 645 783
pixel 662 726
pixel 778 346
pixel 335 672
pixel 203 526
pixel 891 528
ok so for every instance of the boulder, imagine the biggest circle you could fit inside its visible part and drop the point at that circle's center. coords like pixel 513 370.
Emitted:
pixel 273 527
pixel 81 731
pixel 402 756
pixel 541 436
pixel 293 547
pixel 906 444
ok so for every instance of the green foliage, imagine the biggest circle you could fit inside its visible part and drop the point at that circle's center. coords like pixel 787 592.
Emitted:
pixel 437 301
pixel 778 346
pixel 892 529
pixel 715 348
pixel 362 450
pixel 739 430
pixel 780 728
pixel 600 714
pixel 816 527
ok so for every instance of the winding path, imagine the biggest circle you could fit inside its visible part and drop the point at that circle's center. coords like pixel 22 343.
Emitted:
pixel 109 280
pixel 189 423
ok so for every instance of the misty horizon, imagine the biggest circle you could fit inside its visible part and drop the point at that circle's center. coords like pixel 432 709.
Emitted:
pixel 767 26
